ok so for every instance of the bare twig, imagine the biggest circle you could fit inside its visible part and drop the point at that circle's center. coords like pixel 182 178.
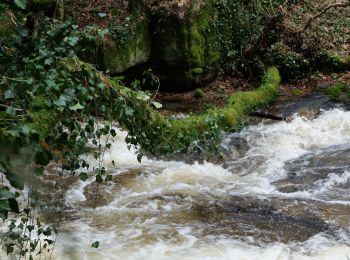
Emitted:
pixel 283 6
pixel 12 17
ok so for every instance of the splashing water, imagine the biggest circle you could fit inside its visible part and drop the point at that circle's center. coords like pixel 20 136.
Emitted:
pixel 283 192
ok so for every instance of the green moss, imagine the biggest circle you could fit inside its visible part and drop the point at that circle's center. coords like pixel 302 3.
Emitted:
pixel 177 135
pixel 327 60
pixel 118 56
pixel 198 93
pixel 230 116
pixel 39 102
pixel 43 121
pixel 336 90
pixel 196 71
pixel 188 41
pixel 200 38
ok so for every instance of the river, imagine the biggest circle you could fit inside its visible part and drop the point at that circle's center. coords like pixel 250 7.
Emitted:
pixel 281 192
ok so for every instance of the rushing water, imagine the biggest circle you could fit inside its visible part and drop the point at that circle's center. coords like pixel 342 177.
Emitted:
pixel 283 192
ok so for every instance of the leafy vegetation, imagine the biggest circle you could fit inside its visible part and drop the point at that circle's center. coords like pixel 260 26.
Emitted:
pixel 338 89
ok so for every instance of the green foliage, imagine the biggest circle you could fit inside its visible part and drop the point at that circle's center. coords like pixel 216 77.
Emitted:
pixel 337 90
pixel 331 61
pixel 22 4
pixel 45 93
pixel 239 24
pixel 292 65
pixel 198 93
pixel 95 244
pixel 26 238
pixel 206 127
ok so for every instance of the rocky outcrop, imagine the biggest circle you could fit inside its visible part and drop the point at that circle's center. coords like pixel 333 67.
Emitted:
pixel 131 42
pixel 177 38
pixel 185 41
pixel 127 42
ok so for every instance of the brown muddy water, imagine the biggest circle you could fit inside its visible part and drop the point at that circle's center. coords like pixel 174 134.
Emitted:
pixel 282 192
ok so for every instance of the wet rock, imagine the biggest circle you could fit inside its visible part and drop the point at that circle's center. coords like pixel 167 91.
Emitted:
pixel 316 167
pixel 308 106
pixel 97 195
pixel 235 148
pixel 128 42
pixel 124 179
pixel 289 188
pixel 101 194
pixel 185 48
pixel 247 216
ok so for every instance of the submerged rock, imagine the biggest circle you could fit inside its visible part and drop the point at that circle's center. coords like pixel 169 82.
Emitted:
pixel 324 168
pixel 263 220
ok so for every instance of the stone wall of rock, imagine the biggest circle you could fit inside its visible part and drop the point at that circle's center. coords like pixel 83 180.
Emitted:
pixel 175 37
pixel 185 42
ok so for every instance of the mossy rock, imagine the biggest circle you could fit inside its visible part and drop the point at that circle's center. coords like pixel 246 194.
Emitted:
pixel 128 41
pixel 327 60
pixel 131 44
pixel 186 41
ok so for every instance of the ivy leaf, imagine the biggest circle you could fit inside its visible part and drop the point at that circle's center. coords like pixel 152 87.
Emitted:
pixel 129 111
pixel 26 129
pixel 48 61
pixel 142 96
pixel 5 205
pixel 99 178
pixel 83 176
pixel 113 133
pixel 157 105
pixel 22 4
pixel 8 94
pixel 75 107
pixel 51 84
pixel 43 157
pixel 69 94
pixel 6 194
pixel 139 157
pixel 13 205
pixel 11 111
pixel 61 101
pixel 108 178
pixel 72 41
pixel 95 244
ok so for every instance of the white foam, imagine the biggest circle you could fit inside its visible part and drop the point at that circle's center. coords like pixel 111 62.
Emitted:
pixel 147 236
